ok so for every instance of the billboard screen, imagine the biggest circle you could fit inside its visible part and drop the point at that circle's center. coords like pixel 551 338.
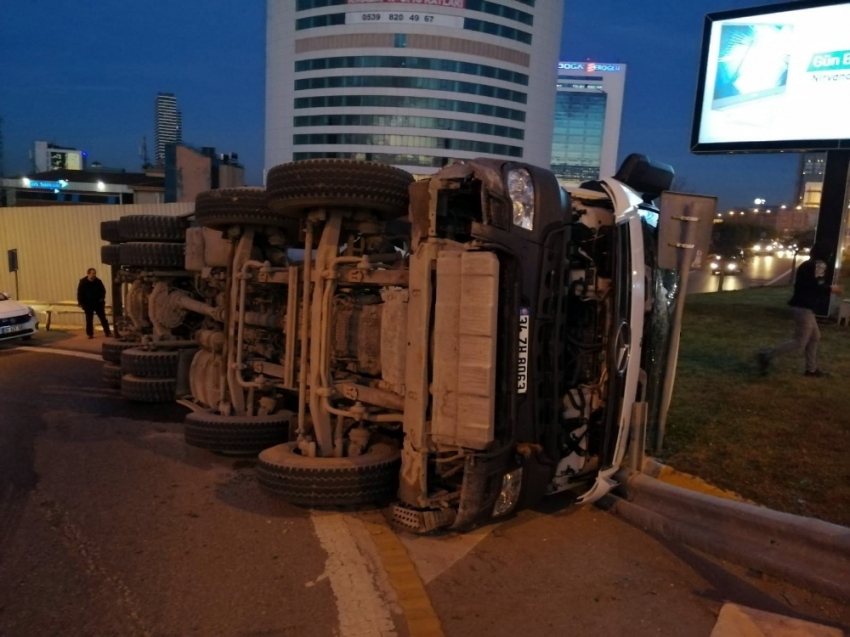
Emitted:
pixel 775 78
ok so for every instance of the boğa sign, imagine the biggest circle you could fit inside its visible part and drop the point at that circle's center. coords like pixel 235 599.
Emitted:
pixel 590 67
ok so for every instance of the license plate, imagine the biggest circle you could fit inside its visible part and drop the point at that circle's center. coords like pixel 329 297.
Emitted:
pixel 522 363
pixel 12 329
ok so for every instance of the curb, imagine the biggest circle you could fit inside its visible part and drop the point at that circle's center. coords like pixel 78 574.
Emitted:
pixel 805 551
pixel 668 474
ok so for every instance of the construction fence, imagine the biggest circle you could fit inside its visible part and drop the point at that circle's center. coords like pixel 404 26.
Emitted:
pixel 55 246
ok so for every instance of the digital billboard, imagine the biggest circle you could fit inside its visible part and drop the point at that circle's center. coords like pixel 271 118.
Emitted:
pixel 775 78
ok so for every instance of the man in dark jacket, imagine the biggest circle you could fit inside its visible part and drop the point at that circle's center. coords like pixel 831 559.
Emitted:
pixel 810 286
pixel 91 296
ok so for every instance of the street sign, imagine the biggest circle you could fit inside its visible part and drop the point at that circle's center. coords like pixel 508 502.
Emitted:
pixel 684 229
pixel 13 260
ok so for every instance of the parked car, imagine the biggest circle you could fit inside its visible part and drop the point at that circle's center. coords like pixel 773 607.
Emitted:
pixel 16 319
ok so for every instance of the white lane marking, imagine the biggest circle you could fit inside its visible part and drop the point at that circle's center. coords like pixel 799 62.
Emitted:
pixel 62 352
pixel 362 610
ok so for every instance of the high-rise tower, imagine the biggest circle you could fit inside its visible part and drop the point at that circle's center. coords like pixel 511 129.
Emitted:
pixel 412 84
pixel 588 111
pixel 168 124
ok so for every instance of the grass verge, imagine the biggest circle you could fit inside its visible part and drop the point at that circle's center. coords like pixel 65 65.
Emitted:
pixel 782 440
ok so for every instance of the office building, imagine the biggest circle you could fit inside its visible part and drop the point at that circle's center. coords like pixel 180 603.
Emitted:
pixel 411 83
pixel 190 171
pixel 46 157
pixel 810 179
pixel 588 111
pixel 167 122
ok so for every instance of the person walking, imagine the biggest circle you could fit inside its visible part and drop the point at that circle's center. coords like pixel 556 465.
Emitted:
pixel 91 297
pixel 810 286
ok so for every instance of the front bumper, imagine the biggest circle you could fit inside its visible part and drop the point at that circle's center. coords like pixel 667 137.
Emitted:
pixel 17 326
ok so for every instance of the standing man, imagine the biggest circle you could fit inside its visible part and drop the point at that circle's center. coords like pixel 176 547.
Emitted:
pixel 810 286
pixel 91 296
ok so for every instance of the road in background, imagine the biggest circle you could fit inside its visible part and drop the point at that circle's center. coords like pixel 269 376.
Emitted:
pixel 110 525
pixel 758 271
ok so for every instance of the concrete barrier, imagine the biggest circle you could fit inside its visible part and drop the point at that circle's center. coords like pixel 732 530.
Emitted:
pixel 807 552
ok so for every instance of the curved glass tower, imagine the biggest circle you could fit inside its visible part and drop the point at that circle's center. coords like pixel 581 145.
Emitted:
pixel 414 84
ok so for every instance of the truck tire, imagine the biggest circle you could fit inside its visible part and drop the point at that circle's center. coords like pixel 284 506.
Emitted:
pixel 111 349
pixel 234 206
pixel 153 255
pixel 111 375
pixel 109 231
pixel 148 390
pixel 110 255
pixel 371 477
pixel 146 364
pixel 152 228
pixel 318 183
pixel 235 434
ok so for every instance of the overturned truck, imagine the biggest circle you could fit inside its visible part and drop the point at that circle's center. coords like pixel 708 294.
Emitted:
pixel 463 345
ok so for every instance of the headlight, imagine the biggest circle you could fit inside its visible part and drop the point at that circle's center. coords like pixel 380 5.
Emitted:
pixel 31 312
pixel 713 265
pixel 521 191
pixel 731 266
pixel 757 248
pixel 509 495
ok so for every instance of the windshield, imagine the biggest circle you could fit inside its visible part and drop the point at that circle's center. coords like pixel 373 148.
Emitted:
pixel 3 297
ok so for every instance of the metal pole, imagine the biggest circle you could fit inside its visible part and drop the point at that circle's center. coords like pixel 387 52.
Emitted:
pixel 833 208
pixel 17 288
pixel 685 260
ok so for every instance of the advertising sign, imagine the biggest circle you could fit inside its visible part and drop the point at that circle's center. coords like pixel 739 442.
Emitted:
pixel 777 80
pixel 401 17
pixel 455 4
pixel 590 67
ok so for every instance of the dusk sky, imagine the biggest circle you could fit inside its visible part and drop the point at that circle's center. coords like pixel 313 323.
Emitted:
pixel 85 75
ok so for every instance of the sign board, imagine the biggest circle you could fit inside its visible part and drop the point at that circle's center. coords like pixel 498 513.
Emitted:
pixel 400 18
pixel 684 221
pixel 13 260
pixel 775 77
pixel 455 4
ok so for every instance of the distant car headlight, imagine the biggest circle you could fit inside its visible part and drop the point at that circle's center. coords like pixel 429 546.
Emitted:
pixel 31 312
pixel 713 265
pixel 731 267
pixel 757 248
pixel 521 192
pixel 509 495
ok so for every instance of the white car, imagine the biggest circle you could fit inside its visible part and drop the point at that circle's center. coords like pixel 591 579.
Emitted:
pixel 16 320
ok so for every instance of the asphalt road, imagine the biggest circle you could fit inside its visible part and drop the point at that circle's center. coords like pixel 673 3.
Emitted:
pixel 759 270
pixel 110 525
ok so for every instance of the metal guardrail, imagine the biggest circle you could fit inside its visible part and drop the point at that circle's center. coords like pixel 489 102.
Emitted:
pixel 805 551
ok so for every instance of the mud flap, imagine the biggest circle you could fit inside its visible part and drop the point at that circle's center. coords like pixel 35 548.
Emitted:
pixel 482 482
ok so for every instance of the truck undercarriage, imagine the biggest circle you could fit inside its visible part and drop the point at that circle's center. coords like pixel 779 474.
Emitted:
pixel 465 344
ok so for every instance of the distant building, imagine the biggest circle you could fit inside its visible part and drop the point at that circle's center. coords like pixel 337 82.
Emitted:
pixel 780 220
pixel 810 179
pixel 412 84
pixel 185 173
pixel 68 187
pixel 190 171
pixel 48 156
pixel 168 124
pixel 588 111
